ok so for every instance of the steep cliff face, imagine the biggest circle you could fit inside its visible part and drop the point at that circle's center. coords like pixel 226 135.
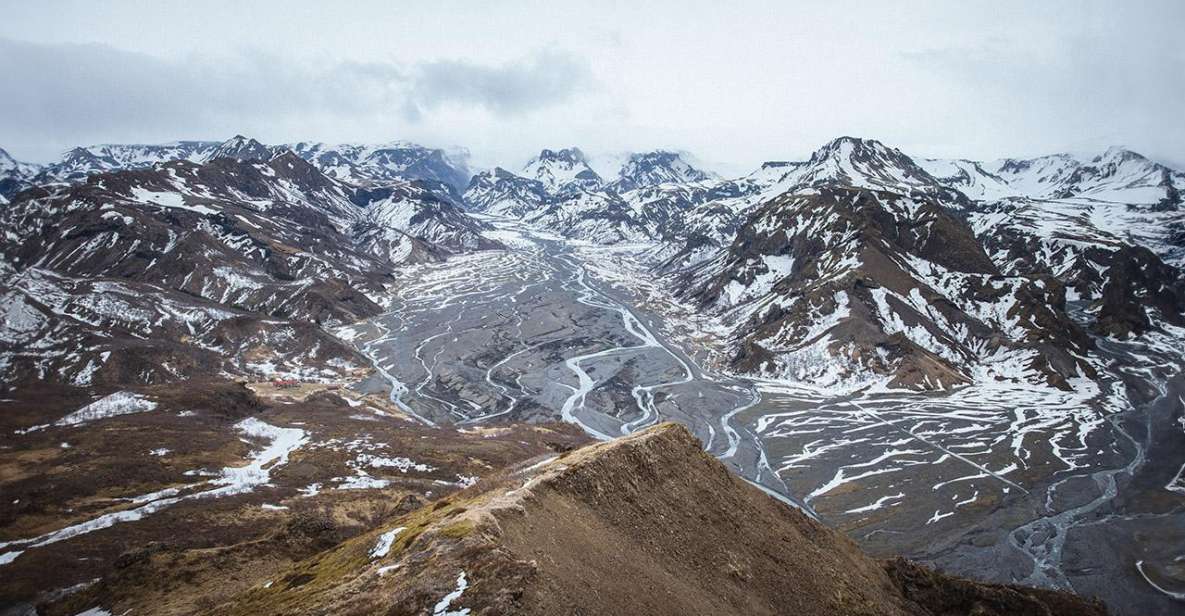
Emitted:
pixel 647 524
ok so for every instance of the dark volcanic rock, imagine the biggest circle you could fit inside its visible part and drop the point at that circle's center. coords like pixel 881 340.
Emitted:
pixel 1140 287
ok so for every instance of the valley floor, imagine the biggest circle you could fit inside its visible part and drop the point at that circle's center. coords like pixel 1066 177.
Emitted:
pixel 1000 481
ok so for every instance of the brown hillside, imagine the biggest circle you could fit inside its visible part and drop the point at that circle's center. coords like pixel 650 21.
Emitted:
pixel 647 524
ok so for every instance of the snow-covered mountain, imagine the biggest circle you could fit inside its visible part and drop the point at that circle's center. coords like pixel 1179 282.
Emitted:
pixel 866 163
pixel 712 209
pixel 647 169
pixel 8 164
pixel 560 192
pixel 502 193
pixel 14 175
pixel 83 161
pixel 846 286
pixel 1117 175
pixel 1062 205
pixel 594 216
pixel 655 196
pixel 363 165
pixel 416 209
pixel 562 171
pixel 243 148
pixel 358 164
pixel 1117 259
pixel 78 163
pixel 382 163
pixel 149 267
pixel 858 265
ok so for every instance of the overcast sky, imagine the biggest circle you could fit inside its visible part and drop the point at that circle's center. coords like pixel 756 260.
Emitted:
pixel 735 83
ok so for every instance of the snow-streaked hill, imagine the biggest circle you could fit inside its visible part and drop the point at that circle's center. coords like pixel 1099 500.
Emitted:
pixel 264 246
pixel 850 287
pixel 503 193
pixel 594 216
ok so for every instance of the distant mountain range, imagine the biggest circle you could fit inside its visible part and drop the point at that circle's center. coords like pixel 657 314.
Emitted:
pixel 862 261
pixel 356 164
pixel 859 265
pixel 163 262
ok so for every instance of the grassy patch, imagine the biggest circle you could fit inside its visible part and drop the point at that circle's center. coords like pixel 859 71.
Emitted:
pixel 301 584
pixel 458 530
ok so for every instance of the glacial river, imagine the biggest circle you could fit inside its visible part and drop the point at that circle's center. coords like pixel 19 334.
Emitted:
pixel 1005 482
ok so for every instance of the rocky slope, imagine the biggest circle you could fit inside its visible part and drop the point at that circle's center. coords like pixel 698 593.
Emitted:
pixel 841 286
pixel 170 499
pixel 1091 224
pixel 190 268
pixel 1097 267
pixel 645 524
pixel 802 296
pixel 503 193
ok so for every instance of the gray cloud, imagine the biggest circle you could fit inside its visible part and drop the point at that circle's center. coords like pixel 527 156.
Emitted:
pixel 63 95
pixel 546 78
pixel 738 83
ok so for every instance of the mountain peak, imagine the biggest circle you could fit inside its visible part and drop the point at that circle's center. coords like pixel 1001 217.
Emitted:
pixel 14 171
pixel 848 146
pixel 288 164
pixel 657 167
pixel 562 171
pixel 868 163
pixel 570 155
pixel 241 148
pixel 1119 154
pixel 78 152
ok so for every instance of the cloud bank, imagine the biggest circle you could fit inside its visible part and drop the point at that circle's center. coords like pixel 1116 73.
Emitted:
pixel 735 83
pixel 62 95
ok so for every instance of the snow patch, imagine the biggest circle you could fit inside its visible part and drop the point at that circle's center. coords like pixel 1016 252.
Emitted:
pixel 383 546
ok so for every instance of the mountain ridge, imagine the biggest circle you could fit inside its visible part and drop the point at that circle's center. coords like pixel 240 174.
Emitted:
pixel 548 537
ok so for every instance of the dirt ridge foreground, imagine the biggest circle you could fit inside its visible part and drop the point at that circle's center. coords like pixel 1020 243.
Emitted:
pixel 646 524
